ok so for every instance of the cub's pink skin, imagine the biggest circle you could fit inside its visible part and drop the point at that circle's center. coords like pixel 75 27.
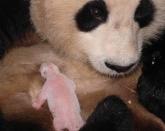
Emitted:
pixel 59 92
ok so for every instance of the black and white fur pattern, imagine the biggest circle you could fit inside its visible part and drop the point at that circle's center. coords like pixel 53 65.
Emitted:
pixel 108 34
pixel 145 33
pixel 150 89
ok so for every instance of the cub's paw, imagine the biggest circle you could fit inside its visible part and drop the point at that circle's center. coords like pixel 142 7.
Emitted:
pixel 112 114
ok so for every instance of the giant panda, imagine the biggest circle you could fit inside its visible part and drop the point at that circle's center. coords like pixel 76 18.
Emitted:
pixel 97 43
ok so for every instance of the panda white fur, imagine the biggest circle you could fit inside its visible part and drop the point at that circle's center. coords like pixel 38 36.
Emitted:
pixel 109 34
pixel 90 40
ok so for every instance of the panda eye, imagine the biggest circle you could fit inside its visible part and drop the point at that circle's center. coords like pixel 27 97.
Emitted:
pixel 144 14
pixel 97 14
pixel 91 15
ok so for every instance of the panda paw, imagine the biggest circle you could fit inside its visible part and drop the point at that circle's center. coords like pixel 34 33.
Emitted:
pixel 112 114
pixel 151 84
pixel 151 94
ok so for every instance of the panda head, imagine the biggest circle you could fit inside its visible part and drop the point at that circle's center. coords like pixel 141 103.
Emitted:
pixel 108 34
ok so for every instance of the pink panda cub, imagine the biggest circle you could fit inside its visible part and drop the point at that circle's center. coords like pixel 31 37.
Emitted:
pixel 59 92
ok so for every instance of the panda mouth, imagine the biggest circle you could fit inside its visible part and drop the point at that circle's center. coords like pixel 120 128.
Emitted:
pixel 119 69
pixel 105 67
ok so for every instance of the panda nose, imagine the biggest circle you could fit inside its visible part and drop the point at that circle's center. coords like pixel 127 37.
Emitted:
pixel 118 68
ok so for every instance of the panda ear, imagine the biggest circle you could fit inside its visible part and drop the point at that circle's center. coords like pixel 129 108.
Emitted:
pixel 112 114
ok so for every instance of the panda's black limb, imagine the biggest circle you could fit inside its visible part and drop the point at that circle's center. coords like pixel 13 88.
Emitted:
pixel 151 85
pixel 112 114
pixel 15 125
pixel 14 22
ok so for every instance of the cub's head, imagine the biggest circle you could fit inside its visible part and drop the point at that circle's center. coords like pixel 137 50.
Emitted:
pixel 108 34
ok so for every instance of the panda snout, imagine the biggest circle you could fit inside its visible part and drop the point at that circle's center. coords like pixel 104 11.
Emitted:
pixel 118 68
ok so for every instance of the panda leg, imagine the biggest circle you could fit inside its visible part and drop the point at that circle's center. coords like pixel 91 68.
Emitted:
pixel 151 94
pixel 112 114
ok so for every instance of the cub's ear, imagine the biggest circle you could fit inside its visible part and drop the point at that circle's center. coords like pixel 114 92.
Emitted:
pixel 112 114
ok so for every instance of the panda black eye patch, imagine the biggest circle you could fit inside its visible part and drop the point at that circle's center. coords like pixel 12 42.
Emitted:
pixel 91 15
pixel 144 14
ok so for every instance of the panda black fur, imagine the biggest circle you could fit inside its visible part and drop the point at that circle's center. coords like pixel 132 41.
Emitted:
pixel 14 23
pixel 18 125
pixel 151 85
pixel 112 114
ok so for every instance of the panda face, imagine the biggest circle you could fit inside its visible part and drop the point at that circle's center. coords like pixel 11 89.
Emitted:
pixel 108 34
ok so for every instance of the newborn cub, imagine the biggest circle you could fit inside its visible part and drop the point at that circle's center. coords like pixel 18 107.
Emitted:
pixel 59 91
